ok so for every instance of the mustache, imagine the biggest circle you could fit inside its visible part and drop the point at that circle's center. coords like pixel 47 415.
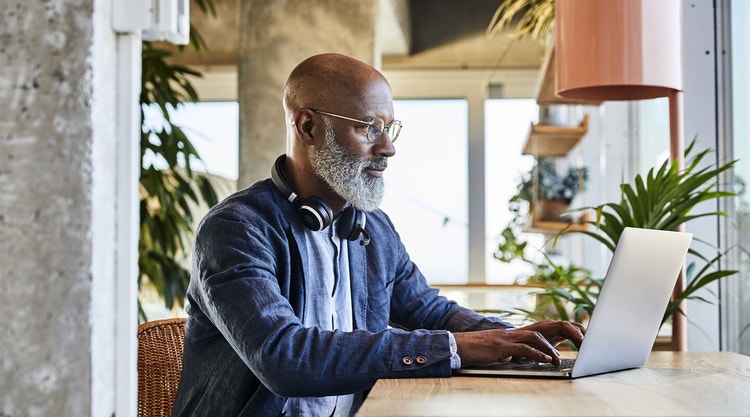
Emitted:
pixel 377 163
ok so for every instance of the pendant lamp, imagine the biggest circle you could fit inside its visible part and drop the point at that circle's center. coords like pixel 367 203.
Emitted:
pixel 625 50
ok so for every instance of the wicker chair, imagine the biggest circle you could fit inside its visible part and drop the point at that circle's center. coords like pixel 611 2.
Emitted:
pixel 160 345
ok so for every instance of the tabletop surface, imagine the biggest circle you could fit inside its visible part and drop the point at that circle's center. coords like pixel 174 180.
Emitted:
pixel 671 384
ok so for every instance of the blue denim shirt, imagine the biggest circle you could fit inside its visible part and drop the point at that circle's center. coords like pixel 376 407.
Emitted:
pixel 246 349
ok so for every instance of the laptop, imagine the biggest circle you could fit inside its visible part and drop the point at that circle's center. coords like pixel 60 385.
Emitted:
pixel 627 314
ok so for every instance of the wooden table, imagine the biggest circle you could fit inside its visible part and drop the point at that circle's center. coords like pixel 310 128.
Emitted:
pixel 671 384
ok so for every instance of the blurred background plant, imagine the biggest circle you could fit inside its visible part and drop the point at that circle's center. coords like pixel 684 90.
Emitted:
pixel 544 182
pixel 664 199
pixel 532 18
pixel 170 188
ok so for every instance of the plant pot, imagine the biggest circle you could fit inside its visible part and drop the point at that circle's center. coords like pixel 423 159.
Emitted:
pixel 551 210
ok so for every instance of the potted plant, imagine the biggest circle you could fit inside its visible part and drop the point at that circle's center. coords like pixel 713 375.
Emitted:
pixel 540 189
pixel 550 193
pixel 562 292
pixel 569 292
pixel 566 292
pixel 665 200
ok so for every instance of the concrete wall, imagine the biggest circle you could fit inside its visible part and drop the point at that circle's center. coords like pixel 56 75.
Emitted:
pixel 56 208
pixel 274 37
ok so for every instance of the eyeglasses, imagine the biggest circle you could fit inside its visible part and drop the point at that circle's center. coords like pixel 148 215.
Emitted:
pixel 375 128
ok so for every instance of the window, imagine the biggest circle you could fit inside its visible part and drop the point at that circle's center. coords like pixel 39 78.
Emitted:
pixel 426 187
pixel 427 184
pixel 213 129
pixel 506 128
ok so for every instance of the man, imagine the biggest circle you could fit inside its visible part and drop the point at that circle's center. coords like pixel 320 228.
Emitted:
pixel 302 295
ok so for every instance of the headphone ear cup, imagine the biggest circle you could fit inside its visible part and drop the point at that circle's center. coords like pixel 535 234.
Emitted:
pixel 351 223
pixel 315 213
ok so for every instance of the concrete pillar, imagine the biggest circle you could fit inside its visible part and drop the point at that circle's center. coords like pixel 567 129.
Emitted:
pixel 57 205
pixel 274 37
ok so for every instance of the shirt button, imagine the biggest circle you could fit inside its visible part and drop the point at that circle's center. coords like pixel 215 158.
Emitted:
pixel 421 360
pixel 407 360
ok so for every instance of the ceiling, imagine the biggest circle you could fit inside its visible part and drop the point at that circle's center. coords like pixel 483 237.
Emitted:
pixel 413 34
pixel 450 34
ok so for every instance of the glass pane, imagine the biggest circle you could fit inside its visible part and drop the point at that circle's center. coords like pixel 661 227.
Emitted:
pixel 653 127
pixel 213 128
pixel 507 124
pixel 740 296
pixel 427 187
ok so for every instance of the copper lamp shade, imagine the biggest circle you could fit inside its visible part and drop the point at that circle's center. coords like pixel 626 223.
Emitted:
pixel 618 49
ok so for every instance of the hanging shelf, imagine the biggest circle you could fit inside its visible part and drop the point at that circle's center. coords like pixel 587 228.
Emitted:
pixel 556 141
pixel 547 227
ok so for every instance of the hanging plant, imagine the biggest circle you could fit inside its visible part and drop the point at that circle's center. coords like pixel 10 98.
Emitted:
pixel 543 182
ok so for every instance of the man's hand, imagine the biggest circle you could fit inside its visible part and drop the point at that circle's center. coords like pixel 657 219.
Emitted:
pixel 536 341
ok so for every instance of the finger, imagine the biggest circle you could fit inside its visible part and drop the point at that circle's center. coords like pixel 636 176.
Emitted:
pixel 567 330
pixel 581 328
pixel 527 354
pixel 539 342
pixel 575 332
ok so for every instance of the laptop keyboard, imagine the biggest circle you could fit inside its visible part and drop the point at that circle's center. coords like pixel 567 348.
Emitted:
pixel 564 364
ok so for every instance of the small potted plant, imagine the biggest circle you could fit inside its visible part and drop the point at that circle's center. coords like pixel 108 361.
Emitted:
pixel 564 291
pixel 550 193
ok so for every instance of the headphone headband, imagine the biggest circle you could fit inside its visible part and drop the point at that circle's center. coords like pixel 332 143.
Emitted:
pixel 278 176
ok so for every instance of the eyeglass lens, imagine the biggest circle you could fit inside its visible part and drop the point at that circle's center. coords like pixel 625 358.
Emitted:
pixel 377 129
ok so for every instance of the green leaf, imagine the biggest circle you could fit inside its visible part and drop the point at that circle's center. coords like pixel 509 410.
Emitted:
pixel 166 194
pixel 665 199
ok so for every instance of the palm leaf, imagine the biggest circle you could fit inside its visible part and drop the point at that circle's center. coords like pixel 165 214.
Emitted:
pixel 666 199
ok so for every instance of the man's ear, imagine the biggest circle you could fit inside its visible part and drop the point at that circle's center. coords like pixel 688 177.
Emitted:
pixel 303 124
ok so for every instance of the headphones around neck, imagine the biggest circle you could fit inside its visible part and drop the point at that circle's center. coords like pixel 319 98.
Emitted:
pixel 315 214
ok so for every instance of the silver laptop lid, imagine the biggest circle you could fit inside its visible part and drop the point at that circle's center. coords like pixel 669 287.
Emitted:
pixel 633 298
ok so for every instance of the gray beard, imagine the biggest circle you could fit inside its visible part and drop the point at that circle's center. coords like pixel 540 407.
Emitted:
pixel 344 172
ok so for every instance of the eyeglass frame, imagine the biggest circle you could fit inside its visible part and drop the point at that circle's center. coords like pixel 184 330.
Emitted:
pixel 368 124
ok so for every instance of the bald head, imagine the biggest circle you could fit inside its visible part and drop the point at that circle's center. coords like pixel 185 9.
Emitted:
pixel 334 83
